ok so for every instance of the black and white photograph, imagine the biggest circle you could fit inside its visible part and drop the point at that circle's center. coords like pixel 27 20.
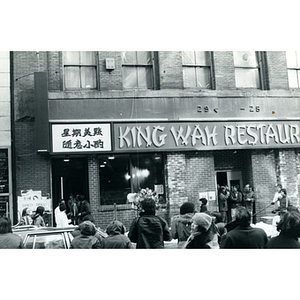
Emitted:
pixel 173 151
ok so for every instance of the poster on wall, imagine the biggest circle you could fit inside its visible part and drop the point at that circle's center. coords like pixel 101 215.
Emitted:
pixel 4 183
pixel 210 196
pixel 33 199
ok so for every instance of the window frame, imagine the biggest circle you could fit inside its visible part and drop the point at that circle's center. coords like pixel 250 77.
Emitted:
pixel 80 65
pixel 260 67
pixel 294 68
pixel 153 66
pixel 199 65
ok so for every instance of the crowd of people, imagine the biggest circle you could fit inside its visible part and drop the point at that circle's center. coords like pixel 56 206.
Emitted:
pixel 191 229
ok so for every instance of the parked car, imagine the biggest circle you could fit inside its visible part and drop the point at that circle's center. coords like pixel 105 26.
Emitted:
pixel 47 237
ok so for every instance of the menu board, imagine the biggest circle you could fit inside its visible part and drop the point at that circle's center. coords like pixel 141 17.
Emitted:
pixel 3 205
pixel 4 183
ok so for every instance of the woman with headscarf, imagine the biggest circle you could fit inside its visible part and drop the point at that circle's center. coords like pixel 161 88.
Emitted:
pixel 203 233
pixel 38 219
pixel 116 238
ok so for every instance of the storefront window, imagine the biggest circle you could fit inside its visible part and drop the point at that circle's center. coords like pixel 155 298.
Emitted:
pixel 123 174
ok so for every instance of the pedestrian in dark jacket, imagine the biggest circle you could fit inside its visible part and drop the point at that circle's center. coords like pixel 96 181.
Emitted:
pixel 289 232
pixel 86 239
pixel 181 224
pixel 148 230
pixel 9 240
pixel 116 238
pixel 84 209
pixel 203 205
pixel 203 233
pixel 241 235
pixel 223 203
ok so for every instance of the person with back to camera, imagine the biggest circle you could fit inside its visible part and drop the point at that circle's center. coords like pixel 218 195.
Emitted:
pixel 9 240
pixel 203 233
pixel 86 239
pixel 26 218
pixel 149 231
pixel 241 235
pixel 181 224
pixel 289 232
pixel 38 219
pixel 116 238
pixel 219 224
pixel 84 209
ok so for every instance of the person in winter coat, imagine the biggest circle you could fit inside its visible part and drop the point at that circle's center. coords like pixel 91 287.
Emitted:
pixel 26 218
pixel 149 231
pixel 203 233
pixel 116 238
pixel 289 232
pixel 235 200
pixel 9 240
pixel 241 235
pixel 86 239
pixel 38 219
pixel 203 207
pixel 84 210
pixel 223 202
pixel 181 224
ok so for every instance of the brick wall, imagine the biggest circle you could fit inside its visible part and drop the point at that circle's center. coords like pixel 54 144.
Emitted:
pixel 278 78
pixel 110 79
pixel 224 70
pixel 188 174
pixel 288 165
pixel 32 170
pixel 170 69
pixel 264 180
pixel 55 77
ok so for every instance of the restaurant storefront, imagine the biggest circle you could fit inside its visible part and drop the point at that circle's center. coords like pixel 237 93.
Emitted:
pixel 181 161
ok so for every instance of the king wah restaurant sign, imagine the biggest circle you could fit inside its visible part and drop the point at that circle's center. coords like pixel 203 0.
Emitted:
pixel 174 136
pixel 182 136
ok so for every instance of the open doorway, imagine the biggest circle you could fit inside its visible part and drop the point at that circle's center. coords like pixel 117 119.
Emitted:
pixel 69 176
pixel 230 178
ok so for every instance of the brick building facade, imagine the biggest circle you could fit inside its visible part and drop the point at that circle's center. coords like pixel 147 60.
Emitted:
pixel 45 99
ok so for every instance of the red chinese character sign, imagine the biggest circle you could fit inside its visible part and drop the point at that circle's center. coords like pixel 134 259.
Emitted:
pixel 91 137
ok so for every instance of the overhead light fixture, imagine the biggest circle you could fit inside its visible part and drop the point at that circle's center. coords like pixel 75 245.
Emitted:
pixel 67 159
pixel 111 157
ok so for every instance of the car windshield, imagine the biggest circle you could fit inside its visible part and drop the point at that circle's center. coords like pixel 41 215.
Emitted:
pixel 46 241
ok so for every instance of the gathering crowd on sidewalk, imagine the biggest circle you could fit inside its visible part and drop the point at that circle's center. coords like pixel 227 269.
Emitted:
pixel 229 228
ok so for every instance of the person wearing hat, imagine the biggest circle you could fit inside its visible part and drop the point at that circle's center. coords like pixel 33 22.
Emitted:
pixel 181 224
pixel 203 233
pixel 116 238
pixel 86 239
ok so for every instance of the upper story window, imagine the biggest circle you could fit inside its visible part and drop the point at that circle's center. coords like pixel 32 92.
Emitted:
pixel 80 69
pixel 196 66
pixel 293 65
pixel 137 68
pixel 247 69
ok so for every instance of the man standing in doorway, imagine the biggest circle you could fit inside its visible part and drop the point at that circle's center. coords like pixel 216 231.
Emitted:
pixel 223 204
